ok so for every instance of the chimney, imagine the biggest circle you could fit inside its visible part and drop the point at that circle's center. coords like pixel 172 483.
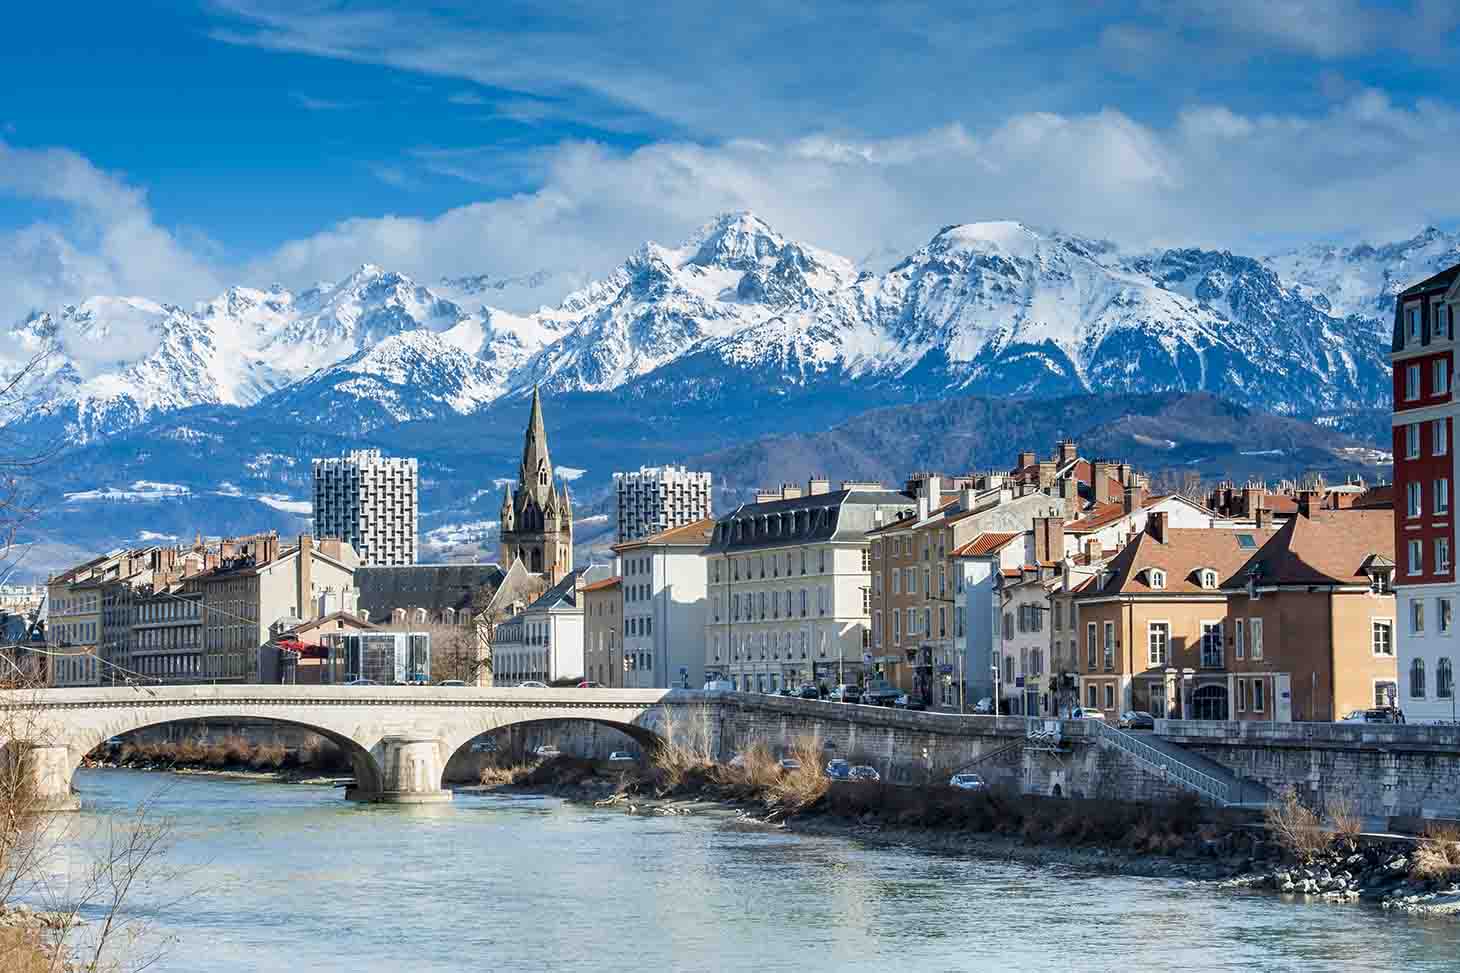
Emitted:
pixel 1069 489
pixel 1049 539
pixel 1135 496
pixel 1026 459
pixel 1100 477
pixel 933 488
pixel 817 486
pixel 304 576
pixel 1263 516
pixel 1156 526
pixel 1342 501
pixel 766 496
pixel 790 491
pixel 966 499
pixel 1309 501
pixel 1252 497
pixel 1093 551
pixel 1046 474
pixel 1065 451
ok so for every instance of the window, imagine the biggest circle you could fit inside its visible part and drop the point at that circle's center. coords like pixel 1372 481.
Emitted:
pixel 1156 579
pixel 866 562
pixel 1413 319
pixel 1385 693
pixel 1416 616
pixel 1090 699
pixel 1211 645
pixel 896 626
pixel 876 627
pixel 1247 542
pixel 1439 377
pixel 1239 641
pixel 1417 679
pixel 1258 703
pixel 1158 638
pixel 1241 695
pixel 1110 695
pixel 876 550
pixel 1444 679
pixel 1442 321
pixel 896 582
pixel 1254 637
pixel 1090 642
pixel 1442 556
pixel 1059 616
pixel 1109 658
pixel 1416 557
pixel 1411 441
pixel 1411 382
pixel 1442 496
pixel 1208 578
pixel 1383 637
pixel 912 580
pixel 958 621
pixel 1443 612
pixel 1440 432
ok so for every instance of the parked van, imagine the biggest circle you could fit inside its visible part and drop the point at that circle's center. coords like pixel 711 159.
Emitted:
pixel 719 686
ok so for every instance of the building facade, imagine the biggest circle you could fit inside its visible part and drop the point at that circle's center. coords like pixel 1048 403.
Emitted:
pixel 657 498
pixel 603 612
pixel 1422 354
pixel 537 522
pixel 664 597
pixel 790 589
pixel 371 502
pixel 544 643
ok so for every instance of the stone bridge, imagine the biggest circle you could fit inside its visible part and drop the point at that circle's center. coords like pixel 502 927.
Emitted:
pixel 399 738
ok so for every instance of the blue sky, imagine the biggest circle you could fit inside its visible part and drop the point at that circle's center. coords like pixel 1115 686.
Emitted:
pixel 172 148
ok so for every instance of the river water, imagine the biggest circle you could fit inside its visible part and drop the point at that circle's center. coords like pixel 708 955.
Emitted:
pixel 294 878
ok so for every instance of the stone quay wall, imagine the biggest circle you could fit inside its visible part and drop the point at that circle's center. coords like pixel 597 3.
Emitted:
pixel 1397 772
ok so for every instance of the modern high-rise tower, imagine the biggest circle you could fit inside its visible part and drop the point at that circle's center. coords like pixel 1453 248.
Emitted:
pixel 370 501
pixel 537 522
pixel 659 498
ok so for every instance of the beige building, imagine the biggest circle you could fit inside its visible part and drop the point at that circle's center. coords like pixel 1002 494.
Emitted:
pixel 257 584
pixel 790 586
pixel 603 613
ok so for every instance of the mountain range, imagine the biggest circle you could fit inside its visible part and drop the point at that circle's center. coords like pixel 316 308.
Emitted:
pixel 736 333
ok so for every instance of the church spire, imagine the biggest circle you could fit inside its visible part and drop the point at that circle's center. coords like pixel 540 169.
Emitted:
pixel 536 473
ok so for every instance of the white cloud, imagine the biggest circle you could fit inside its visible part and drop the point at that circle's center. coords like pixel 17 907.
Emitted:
pixel 570 473
pixel 285 504
pixel 141 490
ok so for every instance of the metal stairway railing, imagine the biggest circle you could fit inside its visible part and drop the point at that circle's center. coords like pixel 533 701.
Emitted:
pixel 1197 780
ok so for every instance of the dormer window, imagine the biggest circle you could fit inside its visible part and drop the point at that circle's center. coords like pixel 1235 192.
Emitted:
pixel 1412 314
pixel 1442 320
pixel 1379 581
pixel 1207 578
pixel 1156 579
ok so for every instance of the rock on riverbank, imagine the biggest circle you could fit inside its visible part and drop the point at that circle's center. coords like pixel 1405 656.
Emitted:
pixel 1381 873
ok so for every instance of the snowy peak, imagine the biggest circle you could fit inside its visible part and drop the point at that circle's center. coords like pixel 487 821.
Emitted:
pixel 736 240
pixel 1362 279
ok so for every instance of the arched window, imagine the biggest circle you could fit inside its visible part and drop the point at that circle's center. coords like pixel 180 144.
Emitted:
pixel 1207 578
pixel 1444 679
pixel 1417 679
pixel 1156 578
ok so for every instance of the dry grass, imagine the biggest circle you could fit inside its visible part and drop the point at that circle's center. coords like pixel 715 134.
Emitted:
pixel 268 756
pixel 494 775
pixel 794 790
pixel 1295 826
pixel 1344 818
pixel 21 951
pixel 1438 853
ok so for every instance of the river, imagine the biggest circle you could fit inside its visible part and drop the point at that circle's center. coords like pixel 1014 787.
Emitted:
pixel 293 878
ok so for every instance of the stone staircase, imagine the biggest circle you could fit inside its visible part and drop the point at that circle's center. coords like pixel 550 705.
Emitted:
pixel 1200 775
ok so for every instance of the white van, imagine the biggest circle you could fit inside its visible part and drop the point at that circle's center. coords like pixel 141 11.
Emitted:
pixel 719 686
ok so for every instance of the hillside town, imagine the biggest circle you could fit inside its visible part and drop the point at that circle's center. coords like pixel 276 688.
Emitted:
pixel 1061 586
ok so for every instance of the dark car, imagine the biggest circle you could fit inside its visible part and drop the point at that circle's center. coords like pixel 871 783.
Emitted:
pixel 880 693
pixel 838 769
pixel 910 701
pixel 1384 714
pixel 865 774
pixel 1137 720
pixel 848 693
pixel 809 691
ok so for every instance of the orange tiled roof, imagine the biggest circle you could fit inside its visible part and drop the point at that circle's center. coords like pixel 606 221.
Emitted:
pixel 698 532
pixel 603 585
pixel 1179 556
pixel 1328 547
pixel 985 544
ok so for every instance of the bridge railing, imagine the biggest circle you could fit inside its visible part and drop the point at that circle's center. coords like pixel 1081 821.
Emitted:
pixel 1197 780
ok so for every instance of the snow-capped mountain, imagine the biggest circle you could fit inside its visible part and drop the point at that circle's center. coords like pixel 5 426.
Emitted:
pixel 739 311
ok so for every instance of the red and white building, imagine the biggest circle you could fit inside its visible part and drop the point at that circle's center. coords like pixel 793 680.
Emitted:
pixel 1425 474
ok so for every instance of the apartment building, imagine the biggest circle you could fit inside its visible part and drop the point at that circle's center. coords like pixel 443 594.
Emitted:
pixel 790 589
pixel 1422 355
pixel 545 642
pixel 21 599
pixel 657 498
pixel 85 617
pixel 369 501
pixel 1154 632
pixel 1310 622
pixel 603 612
pixel 664 600
pixel 256 584
pixel 165 642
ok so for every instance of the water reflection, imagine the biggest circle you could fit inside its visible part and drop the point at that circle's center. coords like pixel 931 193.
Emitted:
pixel 295 878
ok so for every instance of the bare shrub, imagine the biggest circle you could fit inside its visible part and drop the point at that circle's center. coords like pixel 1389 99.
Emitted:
pixel 23 951
pixel 1438 853
pixel 505 774
pixel 800 787
pixel 1294 826
pixel 269 756
pixel 1344 817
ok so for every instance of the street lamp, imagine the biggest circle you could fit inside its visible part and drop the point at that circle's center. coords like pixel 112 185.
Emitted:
pixel 997 694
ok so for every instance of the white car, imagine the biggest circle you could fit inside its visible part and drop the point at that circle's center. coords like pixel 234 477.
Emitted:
pixel 532 684
pixel 1087 714
pixel 362 682
pixel 621 757
pixel 985 705
pixel 546 752
pixel 453 683
pixel 790 763
pixel 967 782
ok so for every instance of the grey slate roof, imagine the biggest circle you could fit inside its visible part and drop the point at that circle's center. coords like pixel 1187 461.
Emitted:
pixel 841 515
pixel 430 586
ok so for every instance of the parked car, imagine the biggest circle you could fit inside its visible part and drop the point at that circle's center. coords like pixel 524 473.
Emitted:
pixel 484 746
pixel 967 782
pixel 1081 713
pixel 985 705
pixel 846 693
pixel 590 684
pixel 880 693
pixel 809 691
pixel 453 683
pixel 546 752
pixel 909 702
pixel 838 769
pixel 719 686
pixel 788 691
pixel 1384 714
pixel 362 682
pixel 622 757
pixel 864 774
pixel 789 763
pixel 1354 716
pixel 531 684
pixel 1136 720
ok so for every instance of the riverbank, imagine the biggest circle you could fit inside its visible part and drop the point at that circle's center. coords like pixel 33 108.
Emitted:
pixel 30 940
pixel 320 763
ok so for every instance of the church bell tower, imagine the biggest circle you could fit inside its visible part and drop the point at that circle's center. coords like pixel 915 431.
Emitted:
pixel 537 521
